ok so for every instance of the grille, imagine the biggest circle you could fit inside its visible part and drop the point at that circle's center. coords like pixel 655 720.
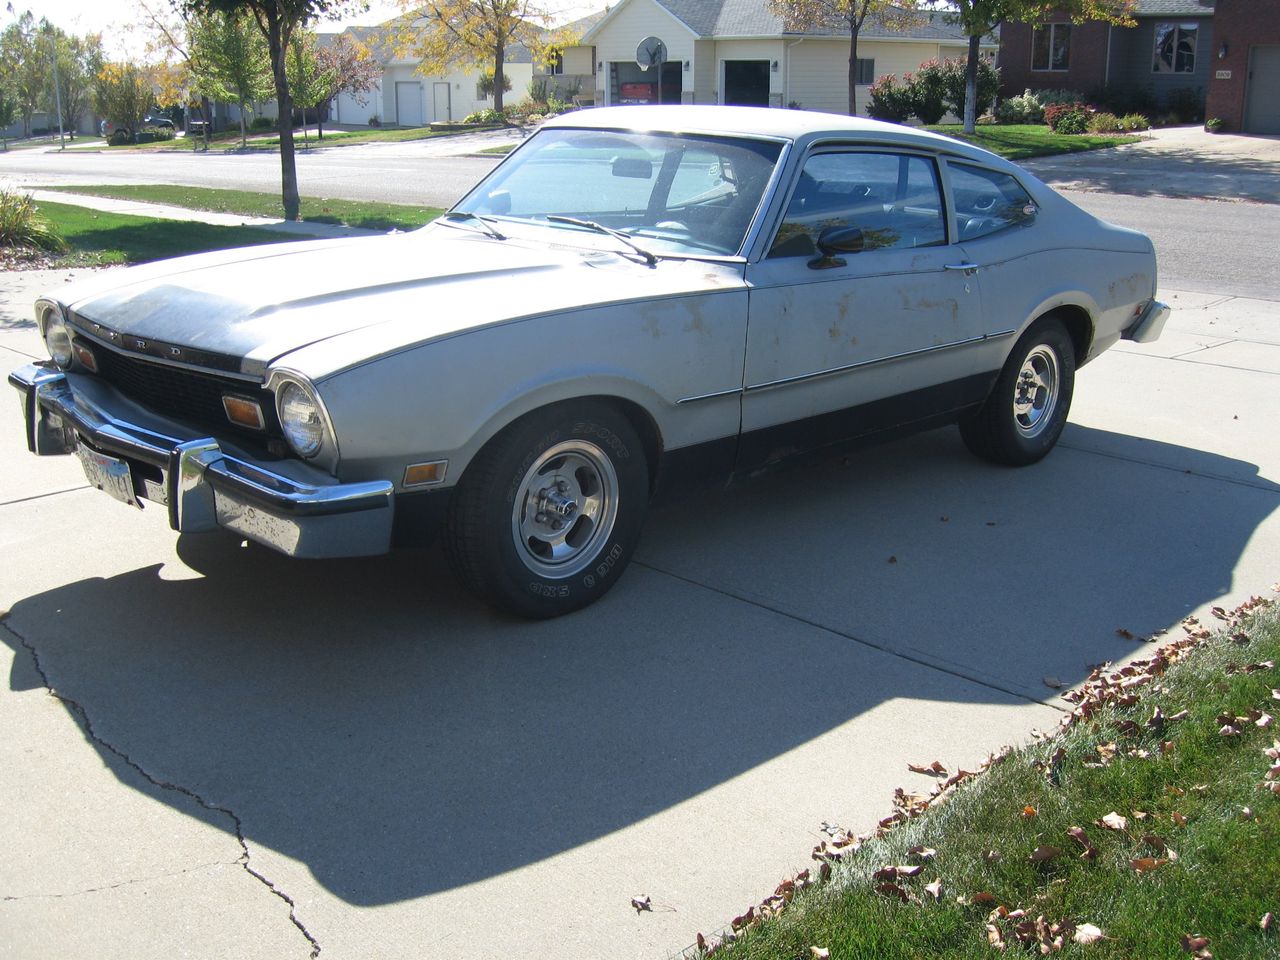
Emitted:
pixel 182 394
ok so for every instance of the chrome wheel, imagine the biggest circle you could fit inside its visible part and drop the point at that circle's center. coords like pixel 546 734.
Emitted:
pixel 1035 391
pixel 564 509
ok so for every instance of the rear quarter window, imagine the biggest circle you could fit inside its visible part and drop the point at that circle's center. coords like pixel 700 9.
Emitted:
pixel 987 201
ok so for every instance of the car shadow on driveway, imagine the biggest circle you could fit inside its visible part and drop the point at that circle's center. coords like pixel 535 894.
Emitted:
pixel 367 719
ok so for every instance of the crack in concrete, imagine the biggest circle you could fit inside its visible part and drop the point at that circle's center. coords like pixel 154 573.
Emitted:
pixel 9 898
pixel 82 716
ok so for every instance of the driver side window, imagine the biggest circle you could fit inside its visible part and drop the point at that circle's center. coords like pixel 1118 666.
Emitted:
pixel 894 199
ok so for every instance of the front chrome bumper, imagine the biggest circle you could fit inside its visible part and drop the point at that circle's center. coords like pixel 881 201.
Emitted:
pixel 1149 324
pixel 202 486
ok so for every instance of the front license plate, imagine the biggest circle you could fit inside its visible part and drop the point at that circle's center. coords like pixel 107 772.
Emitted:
pixel 108 474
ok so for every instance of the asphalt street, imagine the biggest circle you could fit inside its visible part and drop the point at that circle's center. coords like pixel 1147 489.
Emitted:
pixel 1208 243
pixel 253 757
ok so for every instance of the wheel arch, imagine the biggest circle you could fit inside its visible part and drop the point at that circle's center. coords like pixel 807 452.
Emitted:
pixel 1080 327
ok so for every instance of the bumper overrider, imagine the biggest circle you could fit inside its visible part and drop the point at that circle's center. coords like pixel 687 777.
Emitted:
pixel 202 486
pixel 1149 323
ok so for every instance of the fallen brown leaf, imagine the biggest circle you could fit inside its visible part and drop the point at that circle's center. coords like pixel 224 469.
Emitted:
pixel 1147 864
pixel 923 852
pixel 642 903
pixel 1053 683
pixel 1113 821
pixel 1192 943
pixel 1267 921
pixel 893 890
pixel 1028 812
pixel 983 897
pixel 1178 818
pixel 820 953
pixel 1044 852
pixel 935 889
pixel 1086 933
pixel 1124 634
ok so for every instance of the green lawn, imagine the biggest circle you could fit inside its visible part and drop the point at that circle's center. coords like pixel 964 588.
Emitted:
pixel 1144 822
pixel 1020 141
pixel 98 238
pixel 353 213
pixel 265 140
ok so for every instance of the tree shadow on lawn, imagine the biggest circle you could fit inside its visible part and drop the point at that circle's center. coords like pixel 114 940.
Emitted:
pixel 368 719
pixel 161 239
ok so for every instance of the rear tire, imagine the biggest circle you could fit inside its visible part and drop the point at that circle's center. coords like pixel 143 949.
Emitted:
pixel 1028 406
pixel 549 513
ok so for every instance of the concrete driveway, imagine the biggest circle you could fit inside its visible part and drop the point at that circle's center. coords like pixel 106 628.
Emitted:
pixel 1173 162
pixel 252 757
pixel 249 757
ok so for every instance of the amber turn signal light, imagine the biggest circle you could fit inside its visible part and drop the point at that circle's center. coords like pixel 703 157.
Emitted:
pixel 85 356
pixel 244 412
pixel 421 474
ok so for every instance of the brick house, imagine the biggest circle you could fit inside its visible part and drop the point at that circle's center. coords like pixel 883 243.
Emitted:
pixel 1244 89
pixel 1170 49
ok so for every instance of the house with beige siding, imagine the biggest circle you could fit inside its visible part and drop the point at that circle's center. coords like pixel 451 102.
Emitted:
pixel 738 52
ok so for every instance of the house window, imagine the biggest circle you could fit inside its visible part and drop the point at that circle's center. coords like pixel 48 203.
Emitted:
pixel 555 64
pixel 1051 46
pixel 866 72
pixel 1175 48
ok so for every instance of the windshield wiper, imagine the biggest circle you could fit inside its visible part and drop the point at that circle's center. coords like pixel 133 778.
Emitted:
pixel 485 222
pixel 649 258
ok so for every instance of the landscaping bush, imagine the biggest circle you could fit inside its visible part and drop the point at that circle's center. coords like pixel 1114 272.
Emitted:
pixel 1133 122
pixel 1067 117
pixel 22 226
pixel 889 100
pixel 1047 97
pixel 1187 104
pixel 1124 100
pixel 120 138
pixel 1104 123
pixel 951 75
pixel 154 134
pixel 262 123
pixel 487 115
pixel 925 92
pixel 1024 109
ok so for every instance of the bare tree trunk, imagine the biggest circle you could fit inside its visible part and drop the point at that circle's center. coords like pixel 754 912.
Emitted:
pixel 244 135
pixel 288 162
pixel 498 76
pixel 853 73
pixel 971 85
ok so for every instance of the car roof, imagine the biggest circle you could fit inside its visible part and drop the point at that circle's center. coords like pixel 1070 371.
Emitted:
pixel 795 125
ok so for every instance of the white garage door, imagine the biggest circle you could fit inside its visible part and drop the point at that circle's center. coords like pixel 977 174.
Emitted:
pixel 1262 103
pixel 409 103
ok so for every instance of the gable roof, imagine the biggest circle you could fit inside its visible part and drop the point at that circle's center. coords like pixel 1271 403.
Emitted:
pixel 719 19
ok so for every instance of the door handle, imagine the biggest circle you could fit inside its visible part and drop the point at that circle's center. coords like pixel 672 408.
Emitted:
pixel 968 268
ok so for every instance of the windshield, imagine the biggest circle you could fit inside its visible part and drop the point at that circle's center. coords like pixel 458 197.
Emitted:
pixel 681 195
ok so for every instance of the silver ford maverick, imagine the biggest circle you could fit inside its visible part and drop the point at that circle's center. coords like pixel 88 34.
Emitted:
pixel 634 299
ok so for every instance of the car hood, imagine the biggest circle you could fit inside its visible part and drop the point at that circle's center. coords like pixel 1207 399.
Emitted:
pixel 257 304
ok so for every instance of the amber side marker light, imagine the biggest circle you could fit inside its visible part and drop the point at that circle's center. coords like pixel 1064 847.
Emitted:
pixel 421 474
pixel 244 412
pixel 86 357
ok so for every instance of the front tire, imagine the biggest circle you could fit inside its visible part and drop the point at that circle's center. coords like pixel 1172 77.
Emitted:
pixel 549 513
pixel 1028 406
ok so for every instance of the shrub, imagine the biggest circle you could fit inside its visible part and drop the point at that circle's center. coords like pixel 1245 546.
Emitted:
pixel 22 226
pixel 951 76
pixel 537 90
pixel 1024 109
pixel 120 138
pixel 1124 100
pixel 1213 124
pixel 1074 115
pixel 152 134
pixel 1104 123
pixel 1186 103
pixel 925 92
pixel 262 123
pixel 889 100
pixel 1047 97
pixel 1134 121
pixel 487 115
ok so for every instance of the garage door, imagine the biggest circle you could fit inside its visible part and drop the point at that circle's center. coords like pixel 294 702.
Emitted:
pixel 409 104
pixel 1262 104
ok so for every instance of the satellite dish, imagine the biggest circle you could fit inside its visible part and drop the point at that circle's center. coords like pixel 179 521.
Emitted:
pixel 651 52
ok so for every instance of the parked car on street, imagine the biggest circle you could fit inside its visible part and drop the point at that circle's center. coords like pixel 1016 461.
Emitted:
pixel 155 120
pixel 635 299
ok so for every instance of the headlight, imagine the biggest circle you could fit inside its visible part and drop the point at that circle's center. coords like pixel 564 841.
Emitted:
pixel 57 338
pixel 300 419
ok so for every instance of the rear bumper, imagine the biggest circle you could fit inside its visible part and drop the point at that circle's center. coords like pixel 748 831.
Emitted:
pixel 201 485
pixel 1149 324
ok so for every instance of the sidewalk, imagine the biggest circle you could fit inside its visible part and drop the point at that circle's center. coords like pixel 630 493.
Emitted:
pixel 301 229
